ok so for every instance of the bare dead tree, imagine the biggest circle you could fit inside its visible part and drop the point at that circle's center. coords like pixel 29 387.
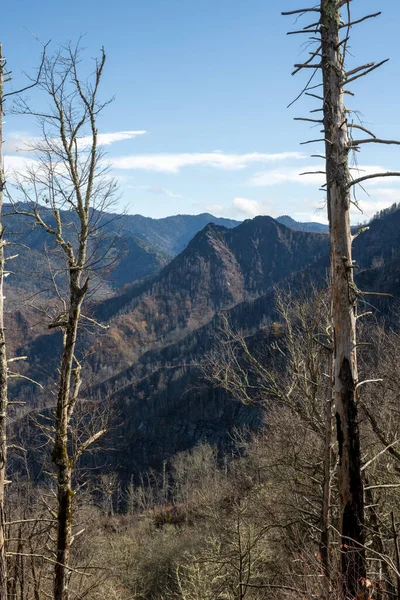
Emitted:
pixel 4 370
pixel 295 374
pixel 67 173
pixel 329 59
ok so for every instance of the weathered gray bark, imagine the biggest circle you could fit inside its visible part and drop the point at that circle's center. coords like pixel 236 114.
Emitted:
pixel 326 496
pixel 3 364
pixel 344 303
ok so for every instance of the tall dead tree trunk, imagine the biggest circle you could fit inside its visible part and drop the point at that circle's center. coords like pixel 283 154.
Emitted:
pixel 329 59
pixel 344 301
pixel 3 362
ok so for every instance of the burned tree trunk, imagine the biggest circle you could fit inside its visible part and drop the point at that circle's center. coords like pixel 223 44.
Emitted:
pixel 329 59
pixel 344 301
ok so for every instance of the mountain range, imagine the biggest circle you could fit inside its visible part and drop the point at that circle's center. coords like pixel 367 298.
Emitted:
pixel 145 364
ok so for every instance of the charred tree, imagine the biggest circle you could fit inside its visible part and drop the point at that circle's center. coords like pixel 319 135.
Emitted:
pixel 344 301
pixel 329 60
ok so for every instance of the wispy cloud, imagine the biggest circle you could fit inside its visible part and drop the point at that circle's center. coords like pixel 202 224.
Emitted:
pixel 312 177
pixel 251 208
pixel 157 191
pixel 105 139
pixel 378 199
pixel 242 208
pixel 18 164
pixel 286 175
pixel 173 163
pixel 20 141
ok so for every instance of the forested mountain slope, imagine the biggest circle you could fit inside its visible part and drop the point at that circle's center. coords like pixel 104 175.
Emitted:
pixel 159 330
pixel 219 269
pixel 163 397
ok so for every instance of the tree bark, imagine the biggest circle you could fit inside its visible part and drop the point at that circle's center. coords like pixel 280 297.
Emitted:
pixel 326 495
pixel 3 363
pixel 344 305
pixel 61 457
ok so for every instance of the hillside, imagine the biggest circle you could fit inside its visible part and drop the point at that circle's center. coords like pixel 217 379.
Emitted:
pixel 158 330
pixel 166 403
pixel 219 269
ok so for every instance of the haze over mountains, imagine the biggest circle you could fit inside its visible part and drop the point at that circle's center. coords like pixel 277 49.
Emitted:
pixel 162 315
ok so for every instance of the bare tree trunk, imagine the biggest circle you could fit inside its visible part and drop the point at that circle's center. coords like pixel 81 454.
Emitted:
pixel 386 589
pixel 61 458
pixel 396 552
pixel 344 303
pixel 326 493
pixel 3 362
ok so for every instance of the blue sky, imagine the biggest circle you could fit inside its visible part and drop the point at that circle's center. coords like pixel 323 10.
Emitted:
pixel 208 82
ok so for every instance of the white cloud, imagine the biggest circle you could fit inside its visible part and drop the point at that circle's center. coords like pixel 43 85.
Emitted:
pixel 248 207
pixel 16 141
pixel 18 164
pixel 287 175
pixel 378 199
pixel 241 208
pixel 172 163
pixel 312 177
pixel 20 141
pixel 217 210
pixel 105 139
pixel 390 195
pixel 160 191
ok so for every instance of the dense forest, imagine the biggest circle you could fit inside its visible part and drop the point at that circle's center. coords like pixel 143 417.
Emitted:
pixel 193 407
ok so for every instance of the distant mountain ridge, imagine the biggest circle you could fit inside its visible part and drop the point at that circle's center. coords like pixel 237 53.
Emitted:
pixel 311 226
pixel 172 234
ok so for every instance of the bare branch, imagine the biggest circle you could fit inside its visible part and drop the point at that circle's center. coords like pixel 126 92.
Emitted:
pixel 356 126
pixel 300 11
pixel 367 71
pixel 300 31
pixel 313 173
pixel 306 65
pixel 361 20
pixel 367 464
pixel 353 237
pixel 314 141
pixel 358 69
pixel 308 120
pixel 373 141
pixel 314 96
pixel 36 81
pixel 89 442
pixel 374 176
